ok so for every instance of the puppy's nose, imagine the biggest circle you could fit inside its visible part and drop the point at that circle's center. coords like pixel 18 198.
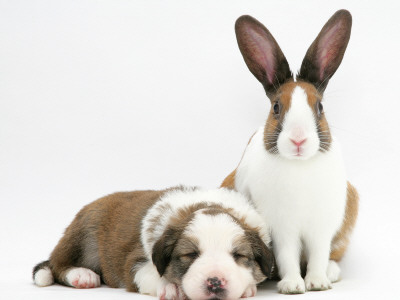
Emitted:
pixel 298 143
pixel 215 284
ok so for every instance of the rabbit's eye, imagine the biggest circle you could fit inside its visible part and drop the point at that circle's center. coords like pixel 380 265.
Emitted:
pixel 276 108
pixel 320 108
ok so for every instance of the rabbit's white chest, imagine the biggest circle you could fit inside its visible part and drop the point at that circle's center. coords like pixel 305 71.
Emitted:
pixel 294 196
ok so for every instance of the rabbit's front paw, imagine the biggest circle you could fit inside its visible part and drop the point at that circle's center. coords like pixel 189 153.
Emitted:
pixel 317 282
pixel 289 285
pixel 333 271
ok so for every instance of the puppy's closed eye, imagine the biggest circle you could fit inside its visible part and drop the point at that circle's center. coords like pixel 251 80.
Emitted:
pixel 189 256
pixel 240 256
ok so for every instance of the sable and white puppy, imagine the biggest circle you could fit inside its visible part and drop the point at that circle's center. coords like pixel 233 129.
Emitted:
pixel 292 168
pixel 175 244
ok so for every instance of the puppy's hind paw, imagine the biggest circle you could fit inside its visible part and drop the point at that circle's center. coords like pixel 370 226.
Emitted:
pixel 82 278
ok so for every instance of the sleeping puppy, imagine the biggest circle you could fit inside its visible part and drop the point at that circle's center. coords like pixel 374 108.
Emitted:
pixel 174 244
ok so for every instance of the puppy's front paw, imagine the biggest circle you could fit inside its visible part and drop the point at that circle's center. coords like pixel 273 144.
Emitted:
pixel 250 291
pixel 317 282
pixel 170 291
pixel 291 285
pixel 82 278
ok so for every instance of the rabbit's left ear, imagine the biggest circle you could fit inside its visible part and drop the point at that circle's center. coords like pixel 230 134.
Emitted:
pixel 262 54
pixel 326 52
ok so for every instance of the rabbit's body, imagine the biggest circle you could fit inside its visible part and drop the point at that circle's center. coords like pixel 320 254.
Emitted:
pixel 307 196
pixel 292 168
pixel 302 201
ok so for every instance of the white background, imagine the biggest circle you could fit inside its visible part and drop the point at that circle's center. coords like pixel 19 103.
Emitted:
pixel 104 96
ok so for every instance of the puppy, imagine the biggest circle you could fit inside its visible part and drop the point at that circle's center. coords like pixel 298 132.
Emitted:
pixel 174 244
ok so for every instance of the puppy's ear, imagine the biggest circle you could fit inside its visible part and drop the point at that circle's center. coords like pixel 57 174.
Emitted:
pixel 162 249
pixel 262 254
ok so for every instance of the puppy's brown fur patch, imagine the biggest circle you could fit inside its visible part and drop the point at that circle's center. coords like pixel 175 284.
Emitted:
pixel 103 230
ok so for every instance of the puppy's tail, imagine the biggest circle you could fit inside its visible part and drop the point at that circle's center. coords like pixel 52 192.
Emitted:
pixel 42 275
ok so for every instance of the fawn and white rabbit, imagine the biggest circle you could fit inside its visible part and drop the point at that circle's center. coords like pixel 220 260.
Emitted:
pixel 292 168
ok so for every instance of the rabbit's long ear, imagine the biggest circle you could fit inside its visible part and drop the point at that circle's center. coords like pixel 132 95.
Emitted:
pixel 326 52
pixel 262 54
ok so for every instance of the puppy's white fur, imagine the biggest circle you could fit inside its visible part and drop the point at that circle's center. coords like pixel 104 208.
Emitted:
pixel 44 277
pixel 302 200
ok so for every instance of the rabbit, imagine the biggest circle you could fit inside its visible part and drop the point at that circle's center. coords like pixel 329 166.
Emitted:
pixel 292 168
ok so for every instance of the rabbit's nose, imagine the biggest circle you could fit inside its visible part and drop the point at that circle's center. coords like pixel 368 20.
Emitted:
pixel 298 143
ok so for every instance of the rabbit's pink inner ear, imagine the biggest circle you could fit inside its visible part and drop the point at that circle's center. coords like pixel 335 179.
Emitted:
pixel 328 48
pixel 258 49
pixel 326 52
pixel 262 52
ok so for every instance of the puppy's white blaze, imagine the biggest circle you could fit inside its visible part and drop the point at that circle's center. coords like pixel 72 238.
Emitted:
pixel 211 240
pixel 44 277
pixel 216 258
pixel 299 124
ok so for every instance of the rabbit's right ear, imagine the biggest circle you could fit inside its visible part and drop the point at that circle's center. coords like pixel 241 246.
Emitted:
pixel 262 54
